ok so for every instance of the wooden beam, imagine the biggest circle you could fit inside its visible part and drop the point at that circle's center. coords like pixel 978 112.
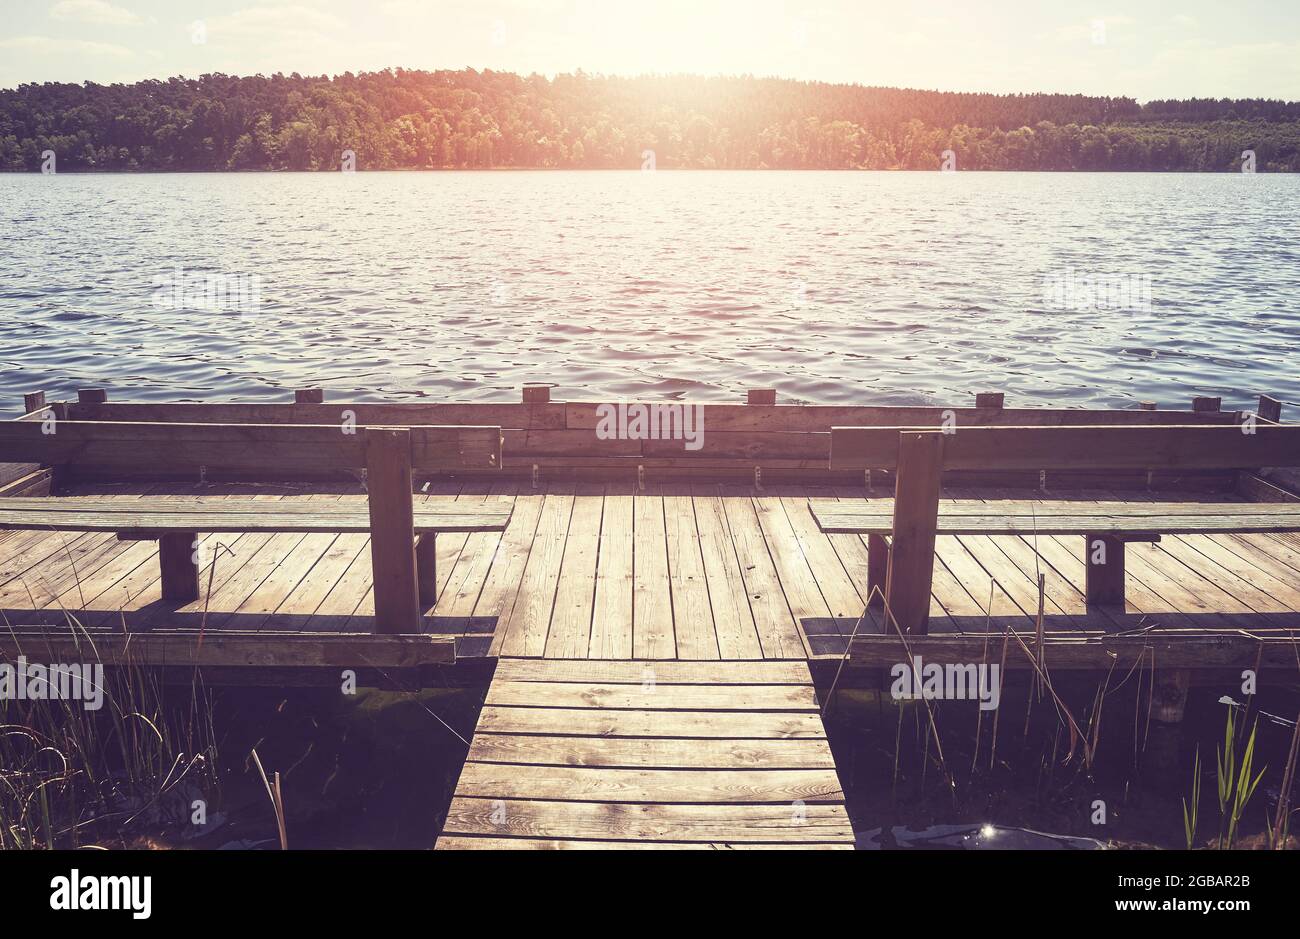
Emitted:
pixel 1104 570
pixel 1080 448
pixel 1090 652
pixel 392 530
pixel 765 396
pixel 1146 405
pixel 223 647
pixel 310 448
pixel 916 512
pixel 536 394
pixel 180 571
pixel 33 402
pixel 91 396
pixel 1206 404
pixel 309 396
pixel 990 399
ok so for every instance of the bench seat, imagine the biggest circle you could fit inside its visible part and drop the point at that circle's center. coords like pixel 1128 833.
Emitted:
pixel 234 514
pixel 176 523
pixel 1067 518
pixel 1106 526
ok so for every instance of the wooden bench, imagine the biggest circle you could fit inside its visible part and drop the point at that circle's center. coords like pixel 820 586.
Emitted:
pixel 918 456
pixel 402 535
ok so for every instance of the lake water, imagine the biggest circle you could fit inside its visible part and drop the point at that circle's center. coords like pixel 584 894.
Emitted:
pixel 879 288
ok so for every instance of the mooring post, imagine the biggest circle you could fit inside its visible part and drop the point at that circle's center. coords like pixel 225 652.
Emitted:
pixel 536 394
pixel 990 399
pixel 91 396
pixel 1270 409
pixel 1206 404
pixel 1104 570
pixel 1146 405
pixel 33 402
pixel 916 518
pixel 392 530
pixel 761 396
pixel 309 396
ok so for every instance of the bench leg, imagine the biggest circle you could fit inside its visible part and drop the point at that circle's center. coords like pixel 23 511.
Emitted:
pixel 180 574
pixel 877 570
pixel 1104 565
pixel 426 569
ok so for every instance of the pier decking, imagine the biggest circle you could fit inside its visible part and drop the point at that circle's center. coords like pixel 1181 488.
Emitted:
pixel 693 571
pixel 590 754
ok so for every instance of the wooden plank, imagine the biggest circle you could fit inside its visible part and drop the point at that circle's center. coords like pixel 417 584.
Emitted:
pixel 392 526
pixel 692 609
pixel 575 593
pixel 593 722
pixel 778 631
pixel 916 508
pixel 626 672
pixel 733 621
pixel 496 600
pixel 625 697
pixel 529 620
pixel 485 843
pixel 649 753
pixel 626 785
pixel 648 822
pixel 334 414
pixel 652 611
pixel 611 621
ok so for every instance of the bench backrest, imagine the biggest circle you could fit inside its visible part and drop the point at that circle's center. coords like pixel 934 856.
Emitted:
pixel 259 448
pixel 1056 448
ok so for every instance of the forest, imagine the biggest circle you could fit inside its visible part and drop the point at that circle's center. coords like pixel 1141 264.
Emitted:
pixel 468 119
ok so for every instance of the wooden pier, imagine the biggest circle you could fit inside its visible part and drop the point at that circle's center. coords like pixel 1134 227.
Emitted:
pixel 652 612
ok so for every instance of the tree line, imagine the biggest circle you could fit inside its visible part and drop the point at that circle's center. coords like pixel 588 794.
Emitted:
pixel 467 119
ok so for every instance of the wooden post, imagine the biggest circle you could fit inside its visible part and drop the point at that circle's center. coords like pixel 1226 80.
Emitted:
pixel 33 402
pixel 536 394
pixel 1206 404
pixel 990 399
pixel 180 572
pixel 1146 405
pixel 877 570
pixel 309 396
pixel 1270 409
pixel 916 516
pixel 392 530
pixel 760 396
pixel 92 396
pixel 1104 570
pixel 426 568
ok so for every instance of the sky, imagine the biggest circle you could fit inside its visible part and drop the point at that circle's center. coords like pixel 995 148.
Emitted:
pixel 1144 50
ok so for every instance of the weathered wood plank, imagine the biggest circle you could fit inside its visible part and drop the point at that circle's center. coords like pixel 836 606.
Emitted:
pixel 647 752
pixel 625 785
pixel 593 722
pixel 652 696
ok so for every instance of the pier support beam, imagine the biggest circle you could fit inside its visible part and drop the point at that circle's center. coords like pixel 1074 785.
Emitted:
pixel 916 517
pixel 877 570
pixel 1104 570
pixel 180 572
pixel 426 569
pixel 392 530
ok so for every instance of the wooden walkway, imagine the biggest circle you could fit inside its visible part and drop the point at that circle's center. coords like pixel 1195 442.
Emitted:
pixel 618 754
pixel 602 571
